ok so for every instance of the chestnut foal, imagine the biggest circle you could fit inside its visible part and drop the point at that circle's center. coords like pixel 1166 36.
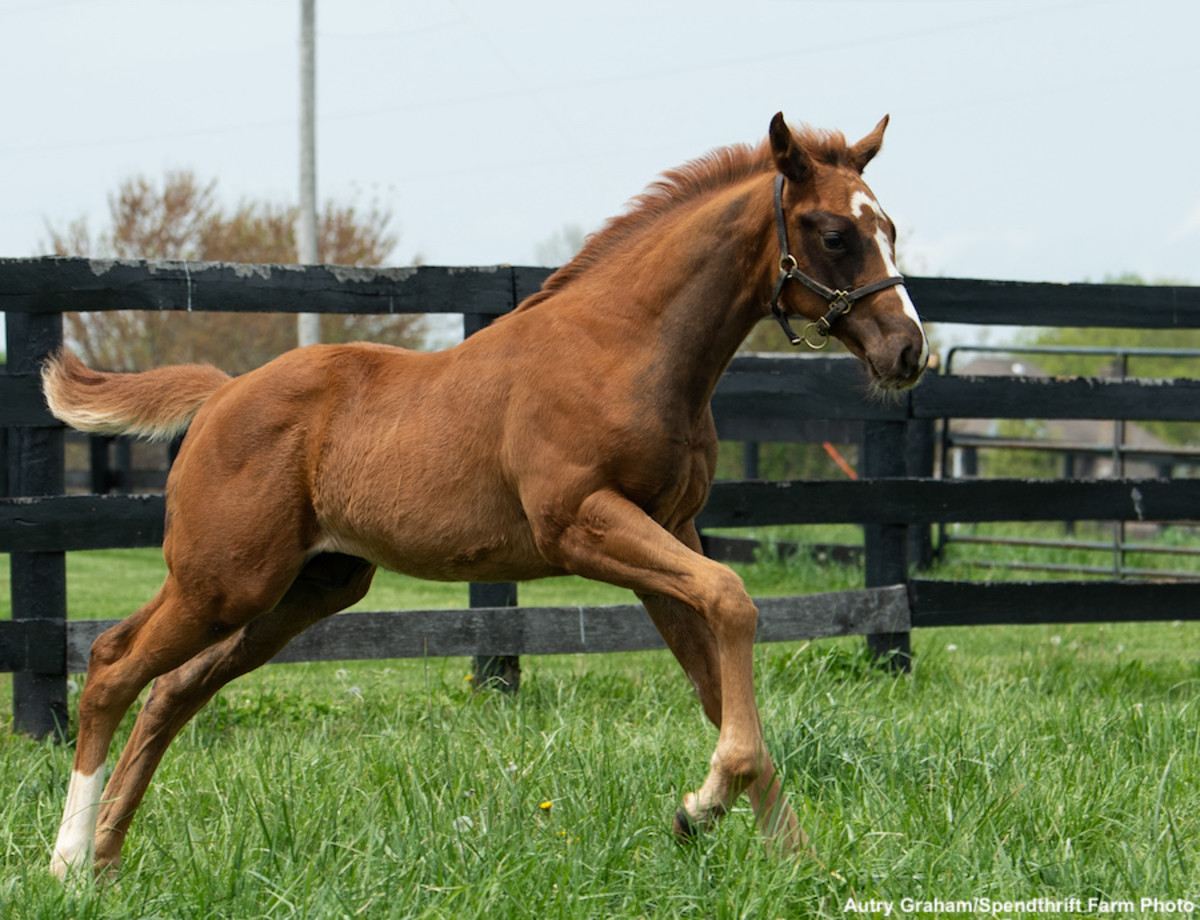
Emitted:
pixel 572 436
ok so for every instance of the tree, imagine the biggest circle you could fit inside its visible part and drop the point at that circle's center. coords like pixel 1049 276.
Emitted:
pixel 561 246
pixel 1092 337
pixel 183 219
pixel 1112 340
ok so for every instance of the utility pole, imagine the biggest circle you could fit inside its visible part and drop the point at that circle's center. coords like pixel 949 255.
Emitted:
pixel 308 325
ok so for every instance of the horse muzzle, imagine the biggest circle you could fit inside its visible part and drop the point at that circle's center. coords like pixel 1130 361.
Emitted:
pixel 893 348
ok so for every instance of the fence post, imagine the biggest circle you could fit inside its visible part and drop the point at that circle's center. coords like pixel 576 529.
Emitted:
pixel 922 447
pixel 499 671
pixel 39 579
pixel 886 545
pixel 751 456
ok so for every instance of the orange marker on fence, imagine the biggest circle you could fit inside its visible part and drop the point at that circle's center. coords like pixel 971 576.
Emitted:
pixel 839 460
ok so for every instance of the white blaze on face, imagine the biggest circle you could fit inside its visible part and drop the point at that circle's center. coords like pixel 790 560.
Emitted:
pixel 858 202
pixel 73 849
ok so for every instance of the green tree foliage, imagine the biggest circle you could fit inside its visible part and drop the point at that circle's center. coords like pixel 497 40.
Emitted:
pixel 183 219
pixel 1113 339
pixel 1106 364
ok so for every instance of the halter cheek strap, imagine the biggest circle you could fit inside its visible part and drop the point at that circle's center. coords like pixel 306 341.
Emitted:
pixel 815 334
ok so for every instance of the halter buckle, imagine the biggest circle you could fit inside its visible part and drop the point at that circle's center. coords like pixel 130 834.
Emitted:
pixel 840 303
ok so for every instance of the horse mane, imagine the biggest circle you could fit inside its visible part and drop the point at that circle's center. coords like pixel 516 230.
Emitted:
pixel 676 188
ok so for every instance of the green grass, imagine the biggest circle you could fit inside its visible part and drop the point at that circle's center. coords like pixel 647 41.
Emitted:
pixel 1013 763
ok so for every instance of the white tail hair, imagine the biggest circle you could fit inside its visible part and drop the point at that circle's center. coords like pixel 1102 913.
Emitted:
pixel 156 404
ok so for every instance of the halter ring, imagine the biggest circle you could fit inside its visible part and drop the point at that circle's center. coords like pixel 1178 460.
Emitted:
pixel 820 342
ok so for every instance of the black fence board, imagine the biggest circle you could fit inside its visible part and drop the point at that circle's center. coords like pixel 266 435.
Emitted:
pixel 77 522
pixel 55 283
pixel 956 603
pixel 939 396
pixel 84 285
pixel 802 387
pixel 528 280
pixel 731 426
pixel 549 630
pixel 1023 303
pixel 929 501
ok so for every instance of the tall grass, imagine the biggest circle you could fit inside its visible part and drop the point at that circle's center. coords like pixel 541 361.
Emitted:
pixel 1013 763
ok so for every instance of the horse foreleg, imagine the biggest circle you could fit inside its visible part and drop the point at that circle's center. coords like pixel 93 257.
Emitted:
pixel 326 585
pixel 703 611
pixel 741 762
pixel 695 647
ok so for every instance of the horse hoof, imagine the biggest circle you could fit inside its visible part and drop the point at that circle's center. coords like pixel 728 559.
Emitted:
pixel 686 830
pixel 107 871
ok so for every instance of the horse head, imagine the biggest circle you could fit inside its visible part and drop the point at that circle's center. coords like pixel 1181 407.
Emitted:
pixel 839 245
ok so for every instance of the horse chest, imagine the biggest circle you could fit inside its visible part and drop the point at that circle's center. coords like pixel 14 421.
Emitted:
pixel 669 483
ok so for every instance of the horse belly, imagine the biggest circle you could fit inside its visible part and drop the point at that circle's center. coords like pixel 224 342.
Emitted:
pixel 469 556
pixel 444 528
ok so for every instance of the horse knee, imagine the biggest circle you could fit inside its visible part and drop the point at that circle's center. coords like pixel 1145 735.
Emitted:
pixel 108 648
pixel 730 610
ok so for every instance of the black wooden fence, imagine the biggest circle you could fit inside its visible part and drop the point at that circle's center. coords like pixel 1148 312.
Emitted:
pixel 762 399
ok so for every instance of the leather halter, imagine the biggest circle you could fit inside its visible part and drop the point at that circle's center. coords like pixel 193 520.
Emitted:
pixel 840 302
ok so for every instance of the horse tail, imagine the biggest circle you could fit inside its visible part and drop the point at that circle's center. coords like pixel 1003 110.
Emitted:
pixel 156 404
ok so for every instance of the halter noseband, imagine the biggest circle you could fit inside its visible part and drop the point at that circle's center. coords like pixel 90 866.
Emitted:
pixel 840 302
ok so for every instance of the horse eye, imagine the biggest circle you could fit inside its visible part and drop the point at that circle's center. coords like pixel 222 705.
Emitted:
pixel 833 241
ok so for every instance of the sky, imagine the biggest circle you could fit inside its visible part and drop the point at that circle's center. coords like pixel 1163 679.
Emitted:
pixel 1041 140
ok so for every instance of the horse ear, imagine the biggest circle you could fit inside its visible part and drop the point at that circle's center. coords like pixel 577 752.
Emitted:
pixel 864 151
pixel 789 158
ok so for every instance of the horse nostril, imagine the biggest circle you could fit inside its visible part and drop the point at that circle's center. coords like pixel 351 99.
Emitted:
pixel 911 362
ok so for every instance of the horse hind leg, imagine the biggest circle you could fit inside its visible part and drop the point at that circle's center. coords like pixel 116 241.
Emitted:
pixel 181 621
pixel 108 692
pixel 327 584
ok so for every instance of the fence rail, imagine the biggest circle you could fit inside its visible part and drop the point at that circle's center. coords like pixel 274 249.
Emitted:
pixel 57 284
pixel 549 630
pixel 759 399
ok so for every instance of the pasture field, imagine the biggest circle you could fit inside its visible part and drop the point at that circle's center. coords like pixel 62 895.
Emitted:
pixel 1059 763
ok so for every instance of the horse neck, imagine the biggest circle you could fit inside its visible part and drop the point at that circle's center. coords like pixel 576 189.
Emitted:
pixel 701 284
